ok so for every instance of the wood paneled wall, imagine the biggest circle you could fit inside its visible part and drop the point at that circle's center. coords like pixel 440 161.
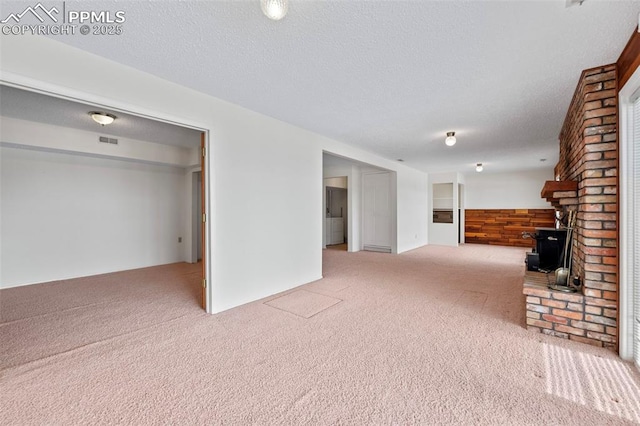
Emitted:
pixel 505 227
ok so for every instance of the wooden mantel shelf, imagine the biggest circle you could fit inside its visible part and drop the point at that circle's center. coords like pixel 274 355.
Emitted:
pixel 552 186
pixel 560 192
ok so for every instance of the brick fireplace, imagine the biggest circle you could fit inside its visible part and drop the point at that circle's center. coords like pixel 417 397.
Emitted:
pixel 587 182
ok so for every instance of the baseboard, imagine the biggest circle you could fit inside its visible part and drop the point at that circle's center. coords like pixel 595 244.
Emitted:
pixel 380 249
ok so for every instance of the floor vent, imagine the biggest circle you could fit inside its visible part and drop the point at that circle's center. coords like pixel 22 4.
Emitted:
pixel 105 139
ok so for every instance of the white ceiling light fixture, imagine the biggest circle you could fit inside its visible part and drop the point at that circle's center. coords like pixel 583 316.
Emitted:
pixel 102 118
pixel 451 139
pixel 274 9
pixel 479 167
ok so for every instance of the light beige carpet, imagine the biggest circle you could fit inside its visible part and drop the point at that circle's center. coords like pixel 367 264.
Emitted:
pixel 434 336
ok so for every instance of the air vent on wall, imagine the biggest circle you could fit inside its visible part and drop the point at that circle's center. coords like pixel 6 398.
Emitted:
pixel 105 139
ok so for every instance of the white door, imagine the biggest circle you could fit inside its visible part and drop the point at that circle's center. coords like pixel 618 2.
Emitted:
pixel 376 212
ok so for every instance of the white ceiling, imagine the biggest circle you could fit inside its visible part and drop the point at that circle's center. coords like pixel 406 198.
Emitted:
pixel 25 105
pixel 390 77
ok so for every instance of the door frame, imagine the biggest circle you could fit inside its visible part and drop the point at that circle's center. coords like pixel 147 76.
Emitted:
pixel 203 234
pixel 25 83
pixel 626 98
pixel 345 216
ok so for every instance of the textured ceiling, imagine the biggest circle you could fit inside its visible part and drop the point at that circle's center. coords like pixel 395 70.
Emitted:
pixel 17 103
pixel 390 77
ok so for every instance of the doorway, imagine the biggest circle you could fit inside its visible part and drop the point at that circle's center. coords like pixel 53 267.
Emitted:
pixel 337 221
pixel 139 224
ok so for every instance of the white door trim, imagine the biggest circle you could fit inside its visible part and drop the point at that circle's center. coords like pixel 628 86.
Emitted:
pixel 626 97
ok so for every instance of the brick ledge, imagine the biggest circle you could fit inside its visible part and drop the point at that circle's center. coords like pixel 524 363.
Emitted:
pixel 570 316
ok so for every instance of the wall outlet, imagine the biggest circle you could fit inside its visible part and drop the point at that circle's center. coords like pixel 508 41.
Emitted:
pixel 179 239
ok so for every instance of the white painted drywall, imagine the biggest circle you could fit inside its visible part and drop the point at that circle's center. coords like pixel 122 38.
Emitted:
pixel 354 200
pixel 265 175
pixel 519 190
pixel 412 210
pixel 193 216
pixel 63 139
pixel 66 216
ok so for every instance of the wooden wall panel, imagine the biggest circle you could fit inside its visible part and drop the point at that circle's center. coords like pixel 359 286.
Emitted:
pixel 505 227
pixel 629 60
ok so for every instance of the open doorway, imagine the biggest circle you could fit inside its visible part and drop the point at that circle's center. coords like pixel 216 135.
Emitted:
pixel 103 198
pixel 337 221
pixel 369 217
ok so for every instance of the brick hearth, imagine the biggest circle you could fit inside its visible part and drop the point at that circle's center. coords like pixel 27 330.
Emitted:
pixel 568 315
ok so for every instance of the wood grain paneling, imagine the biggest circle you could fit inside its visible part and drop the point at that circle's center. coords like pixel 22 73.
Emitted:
pixel 505 227
pixel 629 59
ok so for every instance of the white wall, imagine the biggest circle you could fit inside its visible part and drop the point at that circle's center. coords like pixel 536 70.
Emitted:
pixel 412 210
pixel 354 201
pixel 66 216
pixel 193 218
pixel 251 155
pixel 63 139
pixel 519 190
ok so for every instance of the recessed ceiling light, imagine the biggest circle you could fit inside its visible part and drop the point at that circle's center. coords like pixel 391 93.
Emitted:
pixel 479 167
pixel 102 118
pixel 451 139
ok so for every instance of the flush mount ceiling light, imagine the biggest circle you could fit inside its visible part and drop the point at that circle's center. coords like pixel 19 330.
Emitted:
pixel 274 9
pixel 479 167
pixel 102 118
pixel 451 139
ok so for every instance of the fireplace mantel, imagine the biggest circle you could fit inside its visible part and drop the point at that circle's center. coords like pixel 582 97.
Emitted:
pixel 560 193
